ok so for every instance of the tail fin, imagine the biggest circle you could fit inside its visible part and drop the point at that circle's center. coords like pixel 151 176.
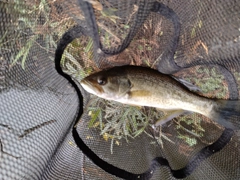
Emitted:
pixel 227 113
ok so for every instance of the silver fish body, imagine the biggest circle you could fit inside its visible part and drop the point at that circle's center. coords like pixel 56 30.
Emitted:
pixel 147 87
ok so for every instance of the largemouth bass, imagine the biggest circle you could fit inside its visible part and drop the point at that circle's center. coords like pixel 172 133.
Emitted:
pixel 147 87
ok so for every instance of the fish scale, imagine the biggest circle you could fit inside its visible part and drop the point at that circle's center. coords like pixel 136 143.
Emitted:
pixel 162 91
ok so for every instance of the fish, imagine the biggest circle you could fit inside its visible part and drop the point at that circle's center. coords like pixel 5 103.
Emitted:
pixel 142 86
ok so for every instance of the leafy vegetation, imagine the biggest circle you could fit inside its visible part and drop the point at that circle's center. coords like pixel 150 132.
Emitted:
pixel 44 31
pixel 117 121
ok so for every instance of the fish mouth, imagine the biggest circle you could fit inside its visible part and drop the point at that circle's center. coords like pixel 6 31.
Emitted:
pixel 91 87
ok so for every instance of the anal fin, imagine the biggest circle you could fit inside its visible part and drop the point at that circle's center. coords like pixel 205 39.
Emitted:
pixel 170 115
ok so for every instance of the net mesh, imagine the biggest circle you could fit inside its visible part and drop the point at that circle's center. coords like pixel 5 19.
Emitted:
pixel 196 41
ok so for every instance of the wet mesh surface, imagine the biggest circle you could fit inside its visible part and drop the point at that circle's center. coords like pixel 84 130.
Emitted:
pixel 197 41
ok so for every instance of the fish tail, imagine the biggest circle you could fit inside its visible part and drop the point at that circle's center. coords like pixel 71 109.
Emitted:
pixel 227 113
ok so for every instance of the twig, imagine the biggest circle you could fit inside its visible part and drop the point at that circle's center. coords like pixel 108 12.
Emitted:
pixel 6 126
pixel 1 149
pixel 190 132
pixel 27 131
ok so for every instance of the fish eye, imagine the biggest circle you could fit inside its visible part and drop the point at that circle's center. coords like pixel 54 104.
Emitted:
pixel 101 80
